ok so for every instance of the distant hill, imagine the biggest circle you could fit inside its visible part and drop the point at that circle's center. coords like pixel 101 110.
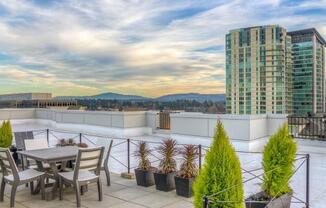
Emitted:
pixel 192 96
pixel 166 98
pixel 104 96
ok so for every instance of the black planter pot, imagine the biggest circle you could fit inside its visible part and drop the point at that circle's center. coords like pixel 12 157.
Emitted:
pixel 164 182
pixel 144 177
pixel 283 201
pixel 183 186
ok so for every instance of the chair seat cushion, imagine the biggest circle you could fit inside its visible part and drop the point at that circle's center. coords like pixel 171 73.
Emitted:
pixel 25 175
pixel 83 176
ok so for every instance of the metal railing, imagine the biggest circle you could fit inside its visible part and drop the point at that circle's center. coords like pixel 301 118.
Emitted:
pixel 122 149
pixel 301 159
pixel 307 127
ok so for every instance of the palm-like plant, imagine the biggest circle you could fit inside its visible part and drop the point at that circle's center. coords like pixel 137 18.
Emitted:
pixel 189 167
pixel 142 154
pixel 168 151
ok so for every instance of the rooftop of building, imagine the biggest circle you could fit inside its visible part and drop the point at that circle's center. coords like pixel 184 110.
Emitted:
pixel 311 31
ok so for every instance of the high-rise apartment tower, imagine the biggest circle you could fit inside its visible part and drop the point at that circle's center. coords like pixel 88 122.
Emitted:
pixel 258 70
pixel 308 48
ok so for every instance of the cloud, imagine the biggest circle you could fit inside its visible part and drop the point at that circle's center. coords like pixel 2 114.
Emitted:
pixel 148 48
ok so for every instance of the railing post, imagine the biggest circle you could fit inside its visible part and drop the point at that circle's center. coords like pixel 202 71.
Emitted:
pixel 199 158
pixel 205 202
pixel 80 137
pixel 128 152
pixel 47 136
pixel 307 179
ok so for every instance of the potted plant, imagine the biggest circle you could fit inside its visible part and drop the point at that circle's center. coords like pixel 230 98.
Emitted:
pixel 278 164
pixel 68 142
pixel 82 145
pixel 144 172
pixel 164 177
pixel 188 171
pixel 220 178
pixel 6 134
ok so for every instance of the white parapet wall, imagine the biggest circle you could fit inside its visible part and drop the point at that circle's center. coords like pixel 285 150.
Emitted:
pixel 120 124
pixel 247 132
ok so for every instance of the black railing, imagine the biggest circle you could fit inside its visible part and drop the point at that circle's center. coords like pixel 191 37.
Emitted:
pixel 308 127
pixel 123 149
pixel 257 174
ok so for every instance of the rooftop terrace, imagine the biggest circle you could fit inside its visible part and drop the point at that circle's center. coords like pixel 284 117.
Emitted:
pixel 248 134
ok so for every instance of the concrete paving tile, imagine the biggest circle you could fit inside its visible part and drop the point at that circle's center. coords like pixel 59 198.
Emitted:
pixel 128 205
pixel 180 204
pixel 130 193
pixel 154 200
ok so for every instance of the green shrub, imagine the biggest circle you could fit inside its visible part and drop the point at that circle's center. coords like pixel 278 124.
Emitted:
pixel 6 134
pixel 221 172
pixel 278 163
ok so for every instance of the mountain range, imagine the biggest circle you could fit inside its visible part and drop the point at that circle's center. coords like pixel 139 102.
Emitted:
pixel 166 98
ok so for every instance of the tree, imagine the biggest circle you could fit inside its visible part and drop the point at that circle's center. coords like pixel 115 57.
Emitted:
pixel 221 175
pixel 6 134
pixel 278 163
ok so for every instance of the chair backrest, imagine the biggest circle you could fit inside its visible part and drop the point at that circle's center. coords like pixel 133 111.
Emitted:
pixel 107 144
pixel 34 144
pixel 7 163
pixel 20 137
pixel 108 152
pixel 89 159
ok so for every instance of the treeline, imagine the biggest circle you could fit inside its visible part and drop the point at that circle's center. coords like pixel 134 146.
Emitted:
pixel 185 105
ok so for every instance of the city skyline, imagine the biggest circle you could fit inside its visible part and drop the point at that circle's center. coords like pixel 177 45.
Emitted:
pixel 148 48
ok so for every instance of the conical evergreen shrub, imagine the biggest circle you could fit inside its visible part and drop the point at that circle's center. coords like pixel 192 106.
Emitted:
pixel 6 134
pixel 278 163
pixel 222 173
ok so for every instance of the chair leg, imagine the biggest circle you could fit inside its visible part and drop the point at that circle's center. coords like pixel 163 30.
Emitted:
pixel 99 188
pixel 42 187
pixel 77 188
pixel 32 187
pixel 2 189
pixel 13 195
pixel 60 188
pixel 82 190
pixel 107 174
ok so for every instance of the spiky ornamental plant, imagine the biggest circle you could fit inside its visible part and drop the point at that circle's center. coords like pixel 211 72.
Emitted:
pixel 278 163
pixel 168 151
pixel 220 175
pixel 189 167
pixel 6 134
pixel 142 154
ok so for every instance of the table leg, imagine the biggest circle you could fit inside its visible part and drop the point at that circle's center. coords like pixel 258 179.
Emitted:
pixel 56 178
pixel 38 186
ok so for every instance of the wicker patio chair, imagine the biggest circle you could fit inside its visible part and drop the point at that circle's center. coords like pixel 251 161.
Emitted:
pixel 87 170
pixel 12 176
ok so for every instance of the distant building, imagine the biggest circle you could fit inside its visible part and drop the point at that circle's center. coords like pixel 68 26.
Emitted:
pixel 26 96
pixel 308 71
pixel 269 70
pixel 258 70
pixel 35 100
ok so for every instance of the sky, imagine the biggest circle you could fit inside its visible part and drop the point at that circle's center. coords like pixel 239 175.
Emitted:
pixel 140 47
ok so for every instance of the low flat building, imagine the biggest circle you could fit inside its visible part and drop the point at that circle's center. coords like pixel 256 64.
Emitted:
pixel 35 100
pixel 25 96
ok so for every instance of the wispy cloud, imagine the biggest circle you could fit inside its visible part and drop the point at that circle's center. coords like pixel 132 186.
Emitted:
pixel 149 48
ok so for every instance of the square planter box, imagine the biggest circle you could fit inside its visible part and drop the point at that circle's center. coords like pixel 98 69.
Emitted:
pixel 144 177
pixel 164 182
pixel 283 201
pixel 184 186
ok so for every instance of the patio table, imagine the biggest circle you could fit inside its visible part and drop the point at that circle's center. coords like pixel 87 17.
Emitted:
pixel 52 156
